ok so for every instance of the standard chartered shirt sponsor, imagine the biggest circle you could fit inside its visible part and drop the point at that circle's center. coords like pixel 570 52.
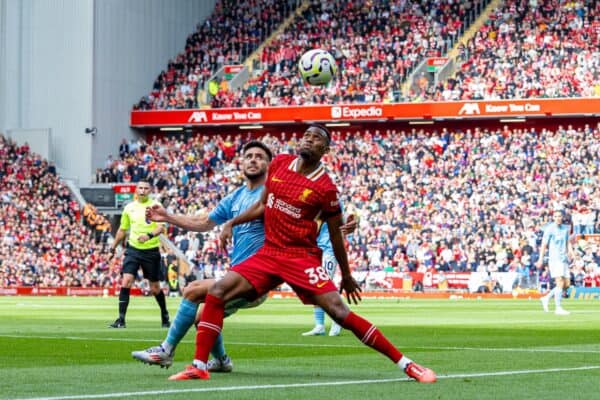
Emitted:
pixel 287 208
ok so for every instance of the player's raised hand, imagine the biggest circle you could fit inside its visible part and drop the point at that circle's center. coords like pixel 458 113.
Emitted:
pixel 156 213
pixel 350 225
pixel 226 235
pixel 352 289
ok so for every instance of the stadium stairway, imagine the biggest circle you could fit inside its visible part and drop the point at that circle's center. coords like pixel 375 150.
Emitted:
pixel 286 23
pixel 453 53
pixel 249 62
pixel 474 28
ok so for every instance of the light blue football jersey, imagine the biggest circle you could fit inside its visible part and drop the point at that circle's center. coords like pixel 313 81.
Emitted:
pixel 248 237
pixel 556 237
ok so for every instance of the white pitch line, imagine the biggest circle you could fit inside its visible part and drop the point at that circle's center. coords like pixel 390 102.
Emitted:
pixel 311 345
pixel 299 385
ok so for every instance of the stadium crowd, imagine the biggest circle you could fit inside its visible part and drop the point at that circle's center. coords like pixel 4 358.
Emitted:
pixel 376 46
pixel 529 48
pixel 472 200
pixel 42 241
pixel 526 49
pixel 233 31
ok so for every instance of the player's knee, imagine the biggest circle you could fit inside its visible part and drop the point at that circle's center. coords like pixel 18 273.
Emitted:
pixel 188 293
pixel 154 290
pixel 195 294
pixel 340 314
pixel 217 290
pixel 337 309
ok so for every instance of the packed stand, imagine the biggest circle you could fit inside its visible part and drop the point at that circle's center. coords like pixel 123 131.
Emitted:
pixel 472 200
pixel 376 45
pixel 233 31
pixel 43 243
pixel 452 200
pixel 468 201
pixel 529 49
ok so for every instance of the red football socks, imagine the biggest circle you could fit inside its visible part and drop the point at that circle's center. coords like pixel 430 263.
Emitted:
pixel 371 336
pixel 209 326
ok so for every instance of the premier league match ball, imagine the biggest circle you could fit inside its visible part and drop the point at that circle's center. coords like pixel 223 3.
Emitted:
pixel 317 67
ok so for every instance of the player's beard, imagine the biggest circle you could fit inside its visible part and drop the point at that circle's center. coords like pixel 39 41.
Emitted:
pixel 255 176
pixel 306 154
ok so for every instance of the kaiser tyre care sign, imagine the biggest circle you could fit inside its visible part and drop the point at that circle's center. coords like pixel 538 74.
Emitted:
pixel 358 112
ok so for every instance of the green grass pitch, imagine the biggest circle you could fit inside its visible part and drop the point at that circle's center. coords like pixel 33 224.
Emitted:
pixel 60 348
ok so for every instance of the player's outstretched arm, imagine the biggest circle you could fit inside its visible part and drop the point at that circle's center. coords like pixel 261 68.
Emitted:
pixel 348 284
pixel 196 223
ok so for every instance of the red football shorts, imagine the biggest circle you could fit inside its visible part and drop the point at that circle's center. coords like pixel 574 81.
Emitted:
pixel 305 275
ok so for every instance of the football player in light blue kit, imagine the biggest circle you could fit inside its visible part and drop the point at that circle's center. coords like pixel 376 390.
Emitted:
pixel 329 264
pixel 556 240
pixel 247 239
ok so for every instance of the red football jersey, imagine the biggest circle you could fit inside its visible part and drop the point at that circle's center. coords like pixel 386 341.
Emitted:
pixel 296 206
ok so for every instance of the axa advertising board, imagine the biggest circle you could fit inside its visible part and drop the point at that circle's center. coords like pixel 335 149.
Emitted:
pixel 358 112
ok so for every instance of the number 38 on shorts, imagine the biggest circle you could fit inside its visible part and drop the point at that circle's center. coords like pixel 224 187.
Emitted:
pixel 316 274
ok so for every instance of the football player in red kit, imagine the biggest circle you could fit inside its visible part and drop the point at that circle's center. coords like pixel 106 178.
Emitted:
pixel 299 195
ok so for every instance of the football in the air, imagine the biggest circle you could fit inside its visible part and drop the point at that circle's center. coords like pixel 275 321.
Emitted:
pixel 317 67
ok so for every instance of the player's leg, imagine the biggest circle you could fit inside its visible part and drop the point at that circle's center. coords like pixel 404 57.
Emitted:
pixel 330 264
pixel 318 329
pixel 561 284
pixel 126 282
pixel 221 362
pixel 193 295
pixel 335 329
pixel 128 271
pixel 163 354
pixel 152 267
pixel 370 335
pixel 250 279
pixel 548 296
pixel 232 285
pixel 558 270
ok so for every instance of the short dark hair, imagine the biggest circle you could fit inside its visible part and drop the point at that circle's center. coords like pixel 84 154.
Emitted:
pixel 146 180
pixel 323 129
pixel 260 145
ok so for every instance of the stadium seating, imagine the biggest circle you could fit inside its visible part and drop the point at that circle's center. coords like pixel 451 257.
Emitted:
pixel 43 242
pixel 376 46
pixel 529 49
pixel 233 31
pixel 470 200
pixel 525 49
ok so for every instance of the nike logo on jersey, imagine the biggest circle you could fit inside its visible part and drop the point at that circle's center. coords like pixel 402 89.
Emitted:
pixel 276 179
pixel 320 285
